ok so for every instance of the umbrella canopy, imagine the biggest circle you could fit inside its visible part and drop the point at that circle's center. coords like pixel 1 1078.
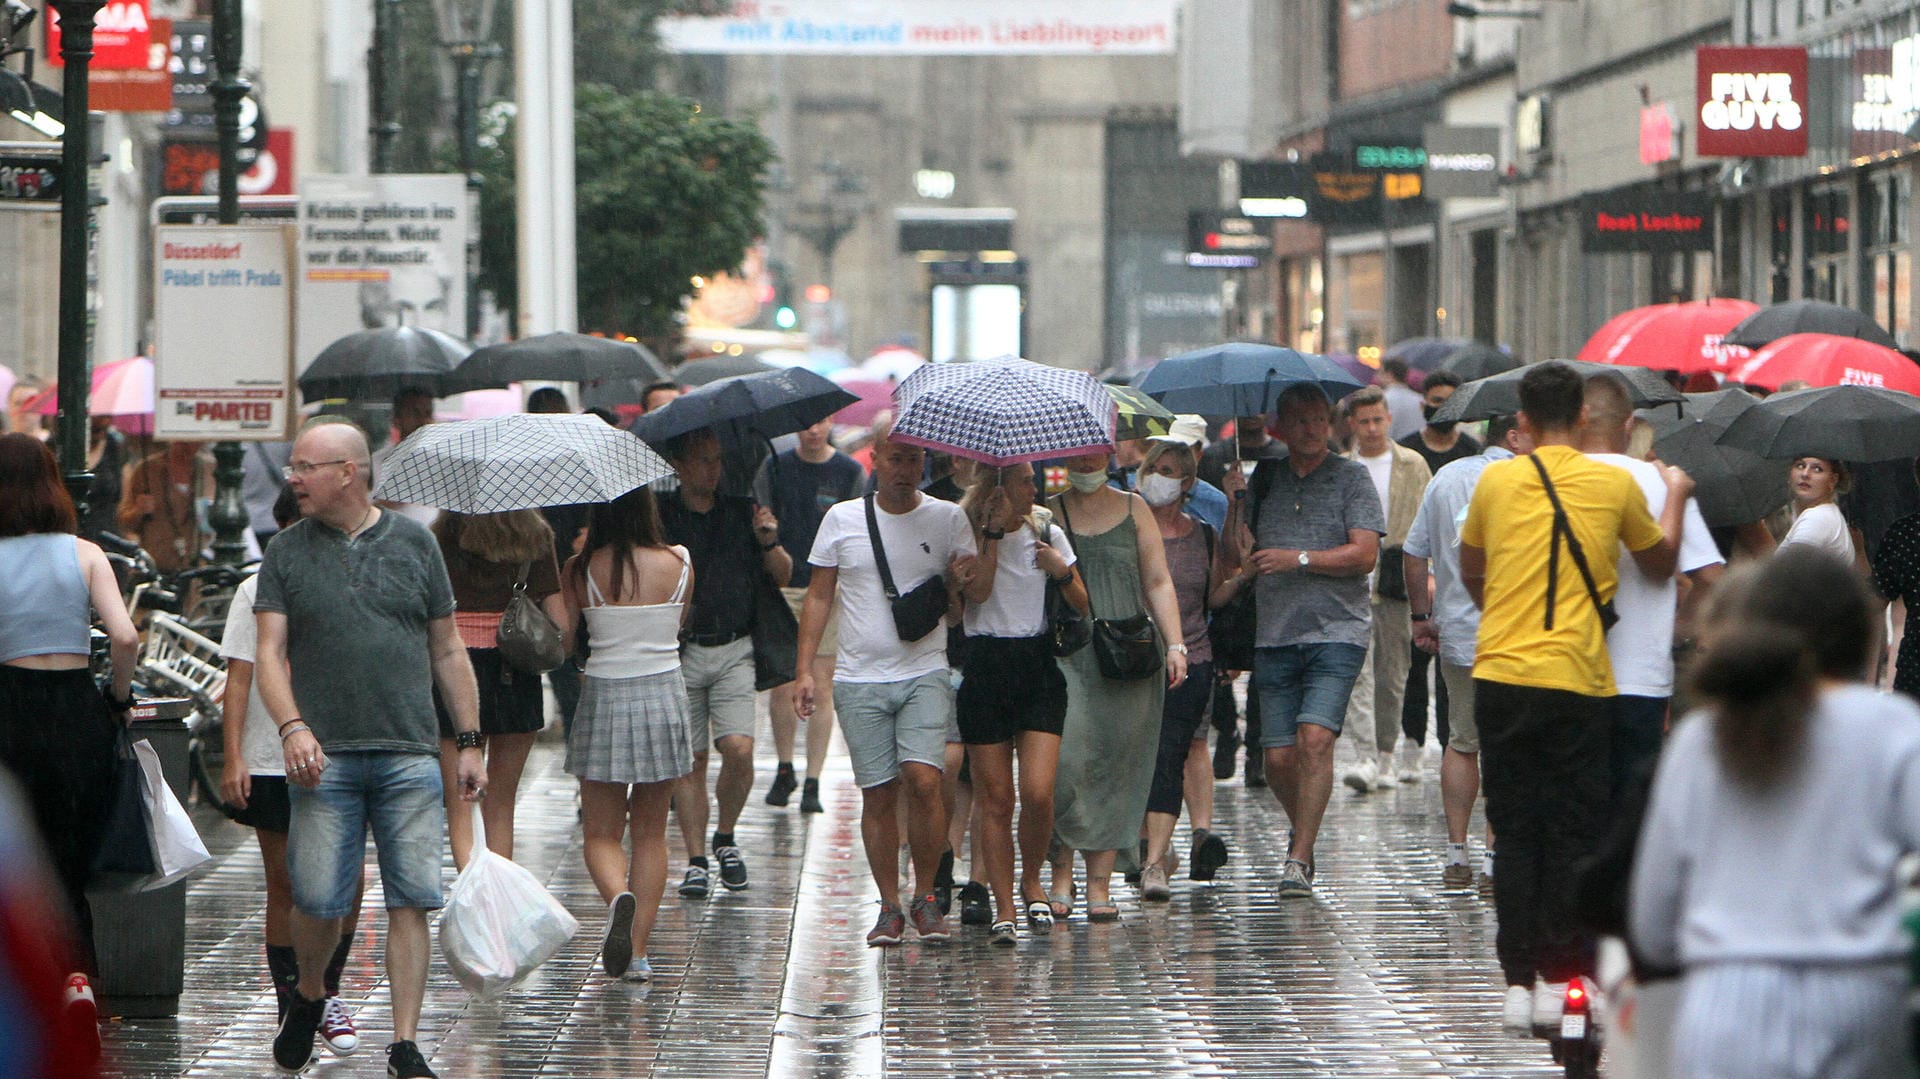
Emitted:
pixel 1240 379
pixel 1353 365
pixel 747 407
pixel 892 362
pixel 875 397
pixel 1734 486
pixel 1005 411
pixel 1684 337
pixel 517 462
pixel 1841 423
pixel 1821 359
pixel 1140 416
pixel 376 364
pixel 122 389
pixel 1477 359
pixel 1769 324
pixel 554 357
pixel 1499 395
pixel 701 372
pixel 821 361
pixel 1424 353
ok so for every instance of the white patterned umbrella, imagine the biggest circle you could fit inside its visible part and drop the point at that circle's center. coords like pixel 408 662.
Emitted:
pixel 1004 411
pixel 517 462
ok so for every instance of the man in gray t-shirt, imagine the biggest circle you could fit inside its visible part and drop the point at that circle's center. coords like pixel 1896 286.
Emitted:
pixel 1317 528
pixel 356 625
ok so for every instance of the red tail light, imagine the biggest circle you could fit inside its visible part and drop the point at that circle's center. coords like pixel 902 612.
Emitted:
pixel 1576 1002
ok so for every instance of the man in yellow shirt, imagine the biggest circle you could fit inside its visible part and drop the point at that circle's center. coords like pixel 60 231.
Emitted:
pixel 1542 575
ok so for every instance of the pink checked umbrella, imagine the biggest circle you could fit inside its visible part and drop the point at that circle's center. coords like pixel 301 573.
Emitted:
pixel 1823 359
pixel 1683 337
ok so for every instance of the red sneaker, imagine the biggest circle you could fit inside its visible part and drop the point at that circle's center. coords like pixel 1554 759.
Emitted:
pixel 929 922
pixel 82 1017
pixel 337 1029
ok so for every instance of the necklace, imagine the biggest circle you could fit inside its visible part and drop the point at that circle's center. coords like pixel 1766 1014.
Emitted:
pixel 363 523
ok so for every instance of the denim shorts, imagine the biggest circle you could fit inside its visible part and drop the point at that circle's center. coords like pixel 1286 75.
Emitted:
pixel 1304 683
pixel 398 797
pixel 887 724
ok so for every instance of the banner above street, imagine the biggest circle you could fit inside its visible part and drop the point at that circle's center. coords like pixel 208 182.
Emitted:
pixel 928 27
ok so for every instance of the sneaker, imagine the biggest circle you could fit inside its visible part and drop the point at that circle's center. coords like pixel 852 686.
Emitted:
pixel 1383 775
pixel 1209 854
pixel 405 1062
pixel 1005 934
pixel 976 904
pixel 1153 884
pixel 293 1049
pixel 82 1017
pixel 639 970
pixel 783 787
pixel 1410 763
pixel 337 1029
pixel 1256 768
pixel 888 928
pixel 929 922
pixel 1361 775
pixel 1549 1001
pixel 1456 875
pixel 733 869
pixel 1296 880
pixel 616 948
pixel 1225 746
pixel 810 797
pixel 695 885
pixel 1516 1013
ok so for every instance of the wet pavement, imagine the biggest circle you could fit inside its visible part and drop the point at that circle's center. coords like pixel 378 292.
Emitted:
pixel 1382 973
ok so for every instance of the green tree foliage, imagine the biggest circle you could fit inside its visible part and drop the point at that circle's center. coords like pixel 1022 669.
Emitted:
pixel 663 192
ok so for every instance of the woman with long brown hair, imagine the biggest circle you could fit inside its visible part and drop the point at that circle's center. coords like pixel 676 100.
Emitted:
pixel 486 554
pixel 56 728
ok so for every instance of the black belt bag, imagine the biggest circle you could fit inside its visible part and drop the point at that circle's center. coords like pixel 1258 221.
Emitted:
pixel 919 612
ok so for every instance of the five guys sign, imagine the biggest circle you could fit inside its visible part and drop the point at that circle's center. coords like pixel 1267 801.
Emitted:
pixel 1751 102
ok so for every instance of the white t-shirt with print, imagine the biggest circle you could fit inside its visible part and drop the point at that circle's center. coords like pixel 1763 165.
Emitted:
pixel 1018 605
pixel 259 744
pixel 1641 644
pixel 918 544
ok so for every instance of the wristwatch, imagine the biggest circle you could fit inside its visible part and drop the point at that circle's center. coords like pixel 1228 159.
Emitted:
pixel 992 534
pixel 1303 560
pixel 1178 646
pixel 466 739
pixel 1420 616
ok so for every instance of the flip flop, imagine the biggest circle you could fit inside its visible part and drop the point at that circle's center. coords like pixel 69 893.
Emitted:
pixel 1040 916
pixel 1105 912
pixel 1062 905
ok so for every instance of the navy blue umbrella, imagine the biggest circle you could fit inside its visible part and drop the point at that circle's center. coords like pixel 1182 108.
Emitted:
pixel 745 409
pixel 1240 379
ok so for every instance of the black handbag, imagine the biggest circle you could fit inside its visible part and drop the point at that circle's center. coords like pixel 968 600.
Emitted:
pixel 1127 649
pixel 1389 574
pixel 1563 527
pixel 1065 624
pixel 920 611
pixel 776 636
pixel 125 854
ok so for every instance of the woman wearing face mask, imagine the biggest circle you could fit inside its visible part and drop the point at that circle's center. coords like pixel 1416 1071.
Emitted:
pixel 1203 567
pixel 1817 522
pixel 1108 745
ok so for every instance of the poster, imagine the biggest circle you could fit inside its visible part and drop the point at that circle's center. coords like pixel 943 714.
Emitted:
pixel 223 332
pixel 374 251
pixel 928 28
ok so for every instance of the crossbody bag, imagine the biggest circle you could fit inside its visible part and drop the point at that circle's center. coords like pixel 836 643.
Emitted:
pixel 919 612
pixel 1562 527
pixel 1127 649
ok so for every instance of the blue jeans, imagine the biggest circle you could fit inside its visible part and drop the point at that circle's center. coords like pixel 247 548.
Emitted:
pixel 1304 683
pixel 398 796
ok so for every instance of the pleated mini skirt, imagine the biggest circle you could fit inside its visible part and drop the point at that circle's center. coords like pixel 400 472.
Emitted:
pixel 632 730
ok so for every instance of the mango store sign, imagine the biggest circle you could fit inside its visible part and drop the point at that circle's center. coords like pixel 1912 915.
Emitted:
pixel 223 332
pixel 1751 102
pixel 928 28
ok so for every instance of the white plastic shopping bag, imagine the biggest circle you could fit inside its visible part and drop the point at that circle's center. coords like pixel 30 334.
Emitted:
pixel 177 850
pixel 499 923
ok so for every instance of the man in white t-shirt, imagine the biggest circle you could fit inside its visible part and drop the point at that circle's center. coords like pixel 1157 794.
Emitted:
pixel 1641 643
pixel 894 698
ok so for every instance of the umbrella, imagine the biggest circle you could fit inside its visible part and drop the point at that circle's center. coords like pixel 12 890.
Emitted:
pixel 1821 359
pixel 1769 324
pixel 892 362
pixel 1424 353
pixel 1684 337
pixel 122 389
pixel 379 363
pixel 554 357
pixel 747 407
pixel 486 404
pixel 821 361
pixel 1841 423
pixel 701 372
pixel 1476 360
pixel 874 396
pixel 517 462
pixel 1353 365
pixel 1734 486
pixel 1140 416
pixel 1240 379
pixel 1499 395
pixel 1005 411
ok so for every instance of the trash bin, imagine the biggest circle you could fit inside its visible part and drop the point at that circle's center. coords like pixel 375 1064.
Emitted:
pixel 140 938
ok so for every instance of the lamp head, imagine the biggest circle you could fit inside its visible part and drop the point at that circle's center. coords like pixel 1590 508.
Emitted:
pixel 15 16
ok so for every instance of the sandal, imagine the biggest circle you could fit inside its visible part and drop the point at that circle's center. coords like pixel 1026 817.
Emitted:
pixel 1104 912
pixel 1039 916
pixel 1061 906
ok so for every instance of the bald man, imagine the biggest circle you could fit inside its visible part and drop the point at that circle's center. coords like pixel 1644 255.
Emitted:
pixel 355 618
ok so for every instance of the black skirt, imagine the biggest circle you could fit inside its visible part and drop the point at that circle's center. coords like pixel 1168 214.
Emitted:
pixel 56 737
pixel 510 700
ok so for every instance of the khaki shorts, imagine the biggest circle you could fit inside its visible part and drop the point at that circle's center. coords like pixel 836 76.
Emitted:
pixel 720 691
pixel 1463 734
pixel 829 637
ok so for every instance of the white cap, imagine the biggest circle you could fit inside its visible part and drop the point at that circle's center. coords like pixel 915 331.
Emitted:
pixel 1189 429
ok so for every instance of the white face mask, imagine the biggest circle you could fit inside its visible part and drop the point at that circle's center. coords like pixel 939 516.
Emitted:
pixel 1087 482
pixel 1159 490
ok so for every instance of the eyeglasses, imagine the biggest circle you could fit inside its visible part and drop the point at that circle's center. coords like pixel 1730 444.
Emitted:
pixel 303 468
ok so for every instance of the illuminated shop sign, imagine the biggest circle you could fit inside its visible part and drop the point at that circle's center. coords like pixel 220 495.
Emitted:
pixel 1886 97
pixel 1751 102
pixel 1646 221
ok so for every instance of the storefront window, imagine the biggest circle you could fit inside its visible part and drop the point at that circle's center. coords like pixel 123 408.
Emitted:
pixel 1825 223
pixel 1780 213
pixel 1359 295
pixel 1885 202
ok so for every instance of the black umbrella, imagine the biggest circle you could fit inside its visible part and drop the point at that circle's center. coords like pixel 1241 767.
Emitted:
pixel 747 408
pixel 1476 360
pixel 1423 353
pixel 1769 324
pixel 554 357
pixel 1841 423
pixel 701 372
pixel 376 364
pixel 1499 395
pixel 1734 486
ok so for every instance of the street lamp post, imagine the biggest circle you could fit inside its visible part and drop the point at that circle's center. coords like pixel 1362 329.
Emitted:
pixel 382 62
pixel 469 58
pixel 76 151
pixel 228 514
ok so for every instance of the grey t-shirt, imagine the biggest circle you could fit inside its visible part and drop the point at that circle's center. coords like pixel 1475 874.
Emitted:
pixel 1314 513
pixel 357 613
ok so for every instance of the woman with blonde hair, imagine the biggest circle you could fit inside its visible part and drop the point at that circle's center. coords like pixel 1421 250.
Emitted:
pixel 486 555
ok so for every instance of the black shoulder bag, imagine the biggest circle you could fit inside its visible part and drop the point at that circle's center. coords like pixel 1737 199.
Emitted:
pixel 1066 625
pixel 1563 527
pixel 1232 625
pixel 919 612
pixel 1128 648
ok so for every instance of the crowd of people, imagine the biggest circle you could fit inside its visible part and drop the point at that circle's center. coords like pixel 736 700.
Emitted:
pixel 1331 569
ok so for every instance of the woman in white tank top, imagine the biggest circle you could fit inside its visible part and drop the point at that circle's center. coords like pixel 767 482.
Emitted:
pixel 631 738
